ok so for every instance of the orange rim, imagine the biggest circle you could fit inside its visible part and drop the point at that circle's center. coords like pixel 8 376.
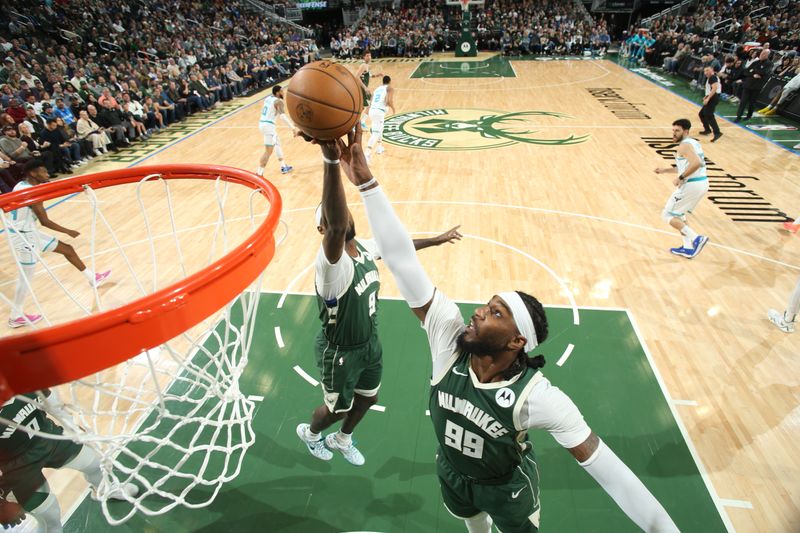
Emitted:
pixel 73 350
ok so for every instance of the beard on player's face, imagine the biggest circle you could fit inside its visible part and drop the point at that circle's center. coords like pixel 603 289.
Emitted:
pixel 474 342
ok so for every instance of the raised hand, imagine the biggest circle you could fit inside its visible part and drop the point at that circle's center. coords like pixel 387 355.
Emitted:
pixel 353 161
pixel 450 236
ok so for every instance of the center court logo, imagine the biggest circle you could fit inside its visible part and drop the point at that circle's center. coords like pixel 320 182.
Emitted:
pixel 475 129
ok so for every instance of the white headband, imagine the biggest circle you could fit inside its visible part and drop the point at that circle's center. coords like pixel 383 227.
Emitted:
pixel 318 215
pixel 522 318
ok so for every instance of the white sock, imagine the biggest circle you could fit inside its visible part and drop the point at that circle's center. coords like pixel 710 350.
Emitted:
pixel 48 516
pixel 689 236
pixel 260 171
pixel 480 523
pixel 794 305
pixel 89 275
pixel 345 439
pixel 310 435
pixel 88 463
pixel 21 291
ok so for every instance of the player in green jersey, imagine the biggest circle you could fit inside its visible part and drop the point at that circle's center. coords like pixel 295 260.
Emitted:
pixel 348 351
pixel 363 75
pixel 486 392
pixel 23 487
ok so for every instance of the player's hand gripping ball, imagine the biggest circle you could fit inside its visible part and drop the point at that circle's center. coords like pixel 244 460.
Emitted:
pixel 324 100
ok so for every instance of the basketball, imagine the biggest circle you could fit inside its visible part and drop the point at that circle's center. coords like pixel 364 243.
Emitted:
pixel 324 100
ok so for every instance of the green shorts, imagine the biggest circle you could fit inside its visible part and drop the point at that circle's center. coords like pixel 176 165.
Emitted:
pixel 346 372
pixel 512 504
pixel 22 476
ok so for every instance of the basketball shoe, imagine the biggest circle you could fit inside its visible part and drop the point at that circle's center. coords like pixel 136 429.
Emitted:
pixel 315 447
pixel 349 451
pixel 779 319
pixel 23 321
pixel 699 242
pixel 683 252
pixel 101 277
pixel 791 227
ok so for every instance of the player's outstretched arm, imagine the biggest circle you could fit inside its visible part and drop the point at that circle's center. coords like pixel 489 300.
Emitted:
pixel 623 486
pixel 334 204
pixel 452 235
pixel 394 243
pixel 549 408
pixel 45 221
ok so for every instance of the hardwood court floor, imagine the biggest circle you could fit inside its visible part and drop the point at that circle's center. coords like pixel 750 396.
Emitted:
pixel 570 211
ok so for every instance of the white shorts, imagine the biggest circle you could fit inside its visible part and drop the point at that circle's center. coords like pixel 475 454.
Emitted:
pixel 32 243
pixel 270 134
pixel 685 199
pixel 376 122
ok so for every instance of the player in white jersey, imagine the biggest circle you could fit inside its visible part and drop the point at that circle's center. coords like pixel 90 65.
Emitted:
pixel 382 99
pixel 786 320
pixel 272 109
pixel 692 186
pixel 29 243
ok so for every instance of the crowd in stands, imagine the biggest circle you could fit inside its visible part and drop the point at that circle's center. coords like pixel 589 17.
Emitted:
pixel 515 27
pixel 82 77
pixel 730 36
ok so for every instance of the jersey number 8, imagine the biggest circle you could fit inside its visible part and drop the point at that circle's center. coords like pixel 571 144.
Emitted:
pixel 462 440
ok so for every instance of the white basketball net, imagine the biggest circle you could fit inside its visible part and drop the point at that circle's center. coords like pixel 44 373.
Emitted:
pixel 172 419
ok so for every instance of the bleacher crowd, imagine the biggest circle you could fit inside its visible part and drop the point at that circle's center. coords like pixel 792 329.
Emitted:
pixel 81 77
pixel 515 27
pixel 746 42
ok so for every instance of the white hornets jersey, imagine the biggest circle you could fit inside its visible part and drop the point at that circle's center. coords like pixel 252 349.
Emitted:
pixel 378 102
pixel 683 163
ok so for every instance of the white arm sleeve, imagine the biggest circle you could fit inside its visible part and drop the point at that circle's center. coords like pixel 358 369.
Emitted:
pixel 443 324
pixel 628 491
pixel 332 280
pixel 548 408
pixel 371 246
pixel 397 249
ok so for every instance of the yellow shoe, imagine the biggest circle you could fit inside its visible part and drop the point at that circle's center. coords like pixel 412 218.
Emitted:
pixel 771 112
pixel 763 111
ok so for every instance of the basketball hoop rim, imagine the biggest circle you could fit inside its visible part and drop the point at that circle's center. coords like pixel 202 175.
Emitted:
pixel 73 350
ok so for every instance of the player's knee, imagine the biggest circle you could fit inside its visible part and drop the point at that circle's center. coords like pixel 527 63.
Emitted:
pixel 666 216
pixel 365 402
pixel 480 523
pixel 48 513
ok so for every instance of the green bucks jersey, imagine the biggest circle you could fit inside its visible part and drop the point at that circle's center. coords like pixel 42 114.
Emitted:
pixel 475 422
pixel 365 76
pixel 13 441
pixel 350 319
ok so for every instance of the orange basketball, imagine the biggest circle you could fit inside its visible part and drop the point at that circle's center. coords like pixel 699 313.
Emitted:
pixel 324 100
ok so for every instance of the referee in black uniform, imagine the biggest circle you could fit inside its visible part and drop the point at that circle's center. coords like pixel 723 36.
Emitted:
pixel 710 100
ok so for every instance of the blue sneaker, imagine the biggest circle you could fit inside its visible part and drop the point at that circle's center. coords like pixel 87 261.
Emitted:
pixel 286 169
pixel 683 252
pixel 699 242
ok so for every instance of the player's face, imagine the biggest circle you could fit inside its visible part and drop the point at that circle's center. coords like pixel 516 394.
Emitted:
pixel 490 329
pixel 39 175
pixel 678 133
